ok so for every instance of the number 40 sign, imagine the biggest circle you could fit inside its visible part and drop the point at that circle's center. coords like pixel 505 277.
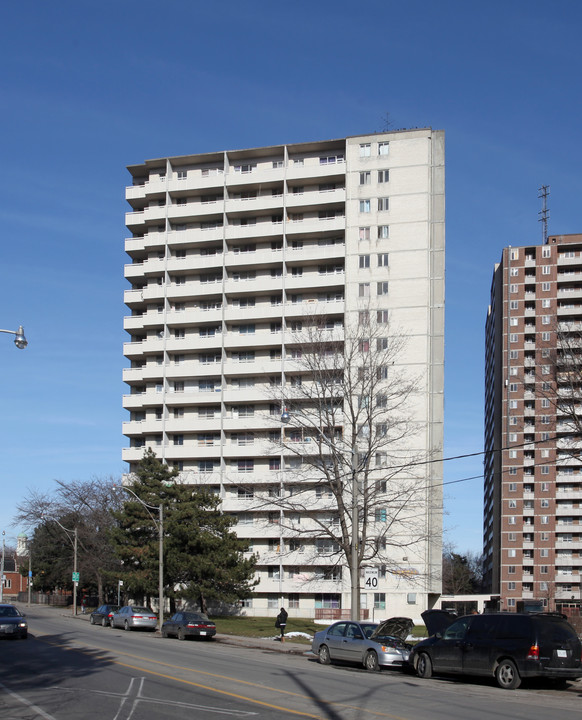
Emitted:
pixel 371 578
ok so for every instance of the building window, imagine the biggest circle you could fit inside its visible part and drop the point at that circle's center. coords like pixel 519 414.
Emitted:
pixel 546 270
pixel 365 178
pixel 383 148
pixel 511 569
pixel 544 569
pixel 364 262
pixel 382 288
pixel 245 466
pixel 383 176
pixel 178 439
pixel 513 354
pixel 383 204
pixel 380 601
pixel 364 290
pixel 546 286
pixel 383 260
pixel 205 466
pixel 364 206
pixel 382 317
pixel 293 600
pixel 383 232
pixel 365 150
pixel 514 304
pixel 364 233
pixel 511 585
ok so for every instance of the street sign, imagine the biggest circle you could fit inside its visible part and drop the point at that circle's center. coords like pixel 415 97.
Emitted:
pixel 371 578
pixel 120 582
pixel 75 577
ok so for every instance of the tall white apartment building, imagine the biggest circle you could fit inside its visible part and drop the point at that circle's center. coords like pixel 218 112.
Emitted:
pixel 229 251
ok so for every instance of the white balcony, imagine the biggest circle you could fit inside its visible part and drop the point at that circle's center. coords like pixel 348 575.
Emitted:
pixel 134 219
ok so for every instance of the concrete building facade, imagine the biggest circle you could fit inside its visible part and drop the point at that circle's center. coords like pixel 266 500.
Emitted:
pixel 230 251
pixel 533 481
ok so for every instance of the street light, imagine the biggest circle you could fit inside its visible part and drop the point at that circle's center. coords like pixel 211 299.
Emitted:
pixel 160 526
pixel 75 572
pixel 354 559
pixel 20 341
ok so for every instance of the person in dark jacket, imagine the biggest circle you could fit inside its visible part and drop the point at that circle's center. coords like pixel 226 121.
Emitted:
pixel 281 622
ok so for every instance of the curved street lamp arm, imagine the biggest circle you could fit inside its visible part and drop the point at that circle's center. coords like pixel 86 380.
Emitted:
pixel 20 341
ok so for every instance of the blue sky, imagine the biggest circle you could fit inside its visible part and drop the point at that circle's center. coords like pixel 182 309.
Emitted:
pixel 88 88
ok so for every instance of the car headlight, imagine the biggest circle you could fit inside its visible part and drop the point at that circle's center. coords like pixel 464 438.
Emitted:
pixel 389 650
pixel 22 624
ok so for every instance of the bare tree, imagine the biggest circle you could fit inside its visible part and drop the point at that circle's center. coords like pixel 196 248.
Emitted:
pixel 358 481
pixel 82 504
pixel 560 377
pixel 462 572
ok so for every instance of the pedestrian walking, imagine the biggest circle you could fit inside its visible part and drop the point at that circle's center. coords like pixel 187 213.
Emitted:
pixel 281 622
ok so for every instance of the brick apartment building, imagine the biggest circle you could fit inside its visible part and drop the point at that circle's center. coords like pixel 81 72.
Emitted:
pixel 533 480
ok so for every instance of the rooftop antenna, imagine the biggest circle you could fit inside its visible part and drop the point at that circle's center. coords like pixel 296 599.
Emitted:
pixel 544 213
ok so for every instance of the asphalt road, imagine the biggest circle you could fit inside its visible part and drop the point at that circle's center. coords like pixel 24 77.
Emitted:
pixel 70 670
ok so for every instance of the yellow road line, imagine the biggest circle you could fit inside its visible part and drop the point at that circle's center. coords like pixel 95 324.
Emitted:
pixel 228 679
pixel 221 692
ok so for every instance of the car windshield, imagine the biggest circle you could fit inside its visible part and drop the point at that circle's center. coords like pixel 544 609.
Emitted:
pixel 9 612
pixel 194 617
pixel 141 610
pixel 368 629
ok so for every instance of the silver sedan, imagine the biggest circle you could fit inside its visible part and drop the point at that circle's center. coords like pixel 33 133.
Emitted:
pixel 368 644
pixel 132 617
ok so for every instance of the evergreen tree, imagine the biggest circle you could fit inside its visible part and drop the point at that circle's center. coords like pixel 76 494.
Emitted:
pixel 202 557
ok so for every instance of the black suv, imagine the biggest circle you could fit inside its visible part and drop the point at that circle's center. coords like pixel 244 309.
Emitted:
pixel 507 646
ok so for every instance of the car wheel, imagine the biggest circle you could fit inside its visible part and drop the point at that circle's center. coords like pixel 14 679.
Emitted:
pixel 507 675
pixel 424 666
pixel 92 620
pixel 371 661
pixel 181 634
pixel 111 623
pixel 324 656
pixel 104 622
pixel 126 626
pixel 164 633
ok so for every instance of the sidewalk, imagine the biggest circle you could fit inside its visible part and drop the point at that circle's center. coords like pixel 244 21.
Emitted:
pixel 289 647
pixel 274 645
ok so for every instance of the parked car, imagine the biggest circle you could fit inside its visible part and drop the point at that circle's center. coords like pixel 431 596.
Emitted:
pixel 103 615
pixel 369 644
pixel 506 646
pixel 189 624
pixel 12 622
pixel 133 617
